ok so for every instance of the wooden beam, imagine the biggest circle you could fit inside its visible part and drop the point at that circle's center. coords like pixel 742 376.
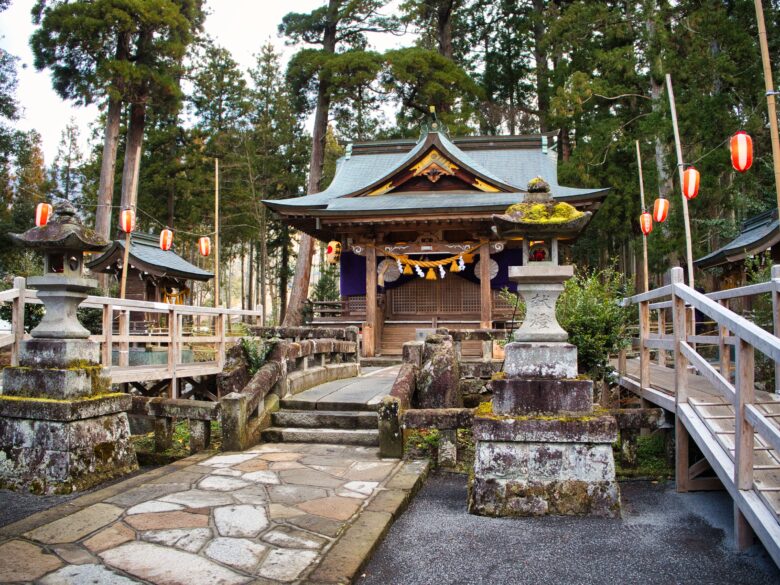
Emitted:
pixel 369 328
pixel 485 296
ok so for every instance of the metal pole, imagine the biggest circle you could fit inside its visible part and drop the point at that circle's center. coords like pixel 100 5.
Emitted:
pixel 642 201
pixel 770 97
pixel 216 232
pixel 686 217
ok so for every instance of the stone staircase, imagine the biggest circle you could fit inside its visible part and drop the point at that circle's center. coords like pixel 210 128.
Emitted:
pixel 300 421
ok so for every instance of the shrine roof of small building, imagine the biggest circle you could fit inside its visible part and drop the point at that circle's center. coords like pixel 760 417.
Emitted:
pixel 507 162
pixel 146 255
pixel 758 233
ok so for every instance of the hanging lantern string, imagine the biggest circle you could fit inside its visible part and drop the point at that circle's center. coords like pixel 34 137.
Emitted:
pixel 427 263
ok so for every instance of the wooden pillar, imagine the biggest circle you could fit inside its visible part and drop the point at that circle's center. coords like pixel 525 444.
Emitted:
pixel 680 382
pixel 485 297
pixel 369 327
pixel 776 318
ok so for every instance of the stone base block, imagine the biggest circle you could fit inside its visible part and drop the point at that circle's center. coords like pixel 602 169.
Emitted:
pixel 540 360
pixel 534 467
pixel 59 353
pixel 55 383
pixel 526 396
pixel 52 446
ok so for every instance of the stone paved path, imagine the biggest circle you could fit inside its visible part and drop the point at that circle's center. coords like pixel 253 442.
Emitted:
pixel 364 392
pixel 277 513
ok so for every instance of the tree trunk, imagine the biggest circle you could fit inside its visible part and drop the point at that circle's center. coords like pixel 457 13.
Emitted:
pixel 293 313
pixel 284 260
pixel 132 165
pixel 263 266
pixel 110 145
pixel 242 276
pixel 542 68
pixel 444 27
pixel 250 283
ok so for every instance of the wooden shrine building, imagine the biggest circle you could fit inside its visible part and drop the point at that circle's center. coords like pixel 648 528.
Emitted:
pixel 431 201
pixel 758 234
pixel 153 275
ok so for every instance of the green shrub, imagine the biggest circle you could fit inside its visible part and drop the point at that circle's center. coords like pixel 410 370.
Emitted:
pixel 589 309
pixel 256 352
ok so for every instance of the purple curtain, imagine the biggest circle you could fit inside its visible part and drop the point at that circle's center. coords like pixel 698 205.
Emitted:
pixel 353 272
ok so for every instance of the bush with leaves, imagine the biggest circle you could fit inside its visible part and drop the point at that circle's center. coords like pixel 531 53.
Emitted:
pixel 589 309
pixel 758 269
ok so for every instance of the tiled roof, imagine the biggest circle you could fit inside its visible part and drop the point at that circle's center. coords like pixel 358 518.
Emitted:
pixel 512 167
pixel 758 233
pixel 145 250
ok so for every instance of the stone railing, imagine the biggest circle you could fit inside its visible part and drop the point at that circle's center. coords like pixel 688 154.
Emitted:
pixel 166 411
pixel 291 367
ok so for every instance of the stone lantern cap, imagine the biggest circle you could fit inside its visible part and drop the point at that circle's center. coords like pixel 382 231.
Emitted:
pixel 64 232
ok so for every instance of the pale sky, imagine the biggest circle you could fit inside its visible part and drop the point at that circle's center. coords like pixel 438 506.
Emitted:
pixel 242 26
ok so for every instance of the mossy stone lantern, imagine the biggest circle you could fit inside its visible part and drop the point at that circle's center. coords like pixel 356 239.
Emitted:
pixel 63 286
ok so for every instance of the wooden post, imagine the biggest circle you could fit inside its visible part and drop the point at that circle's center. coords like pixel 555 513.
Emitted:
pixel 173 333
pixel 642 203
pixel 17 319
pixel 770 97
pixel 124 333
pixel 776 317
pixel 662 332
pixel 743 436
pixel 724 349
pixel 644 351
pixel 485 297
pixel 125 267
pixel 222 327
pixel 369 327
pixel 680 382
pixel 108 334
pixel 216 233
pixel 745 395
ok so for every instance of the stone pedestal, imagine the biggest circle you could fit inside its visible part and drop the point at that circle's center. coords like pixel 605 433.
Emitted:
pixel 61 429
pixel 534 466
pixel 540 447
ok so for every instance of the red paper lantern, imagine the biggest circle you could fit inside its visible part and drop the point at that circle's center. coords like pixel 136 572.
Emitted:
pixel 204 246
pixel 690 183
pixel 42 214
pixel 166 239
pixel 741 151
pixel 660 210
pixel 646 223
pixel 127 220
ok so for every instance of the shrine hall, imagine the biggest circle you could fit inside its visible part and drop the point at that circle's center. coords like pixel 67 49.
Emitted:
pixel 413 220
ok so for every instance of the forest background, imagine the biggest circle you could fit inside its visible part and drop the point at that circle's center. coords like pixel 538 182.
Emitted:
pixel 171 100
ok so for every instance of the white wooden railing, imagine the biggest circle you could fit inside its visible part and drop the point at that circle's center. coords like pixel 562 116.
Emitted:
pixel 207 331
pixel 734 384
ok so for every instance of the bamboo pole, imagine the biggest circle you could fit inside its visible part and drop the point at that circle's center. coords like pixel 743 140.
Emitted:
pixel 642 201
pixel 216 232
pixel 125 262
pixel 770 97
pixel 686 216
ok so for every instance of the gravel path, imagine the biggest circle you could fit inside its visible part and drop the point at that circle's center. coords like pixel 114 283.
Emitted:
pixel 663 538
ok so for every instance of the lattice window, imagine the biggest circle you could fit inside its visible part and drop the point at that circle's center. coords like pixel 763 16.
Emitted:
pixel 356 304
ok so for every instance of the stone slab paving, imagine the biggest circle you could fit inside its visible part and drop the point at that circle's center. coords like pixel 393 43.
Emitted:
pixel 276 513
pixel 365 390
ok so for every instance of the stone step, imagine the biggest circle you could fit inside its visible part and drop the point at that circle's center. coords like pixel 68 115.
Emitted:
pixel 294 403
pixel 363 437
pixel 328 419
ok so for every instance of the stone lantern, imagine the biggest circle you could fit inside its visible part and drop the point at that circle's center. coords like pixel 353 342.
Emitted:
pixel 541 448
pixel 61 428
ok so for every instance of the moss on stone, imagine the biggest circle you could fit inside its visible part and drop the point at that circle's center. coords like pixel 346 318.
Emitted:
pixel 543 213
pixel 485 410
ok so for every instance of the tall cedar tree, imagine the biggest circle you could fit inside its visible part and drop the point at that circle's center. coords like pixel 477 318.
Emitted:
pixel 116 52
pixel 338 25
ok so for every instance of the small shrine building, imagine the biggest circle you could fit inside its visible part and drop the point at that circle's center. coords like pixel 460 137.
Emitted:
pixel 153 275
pixel 414 220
